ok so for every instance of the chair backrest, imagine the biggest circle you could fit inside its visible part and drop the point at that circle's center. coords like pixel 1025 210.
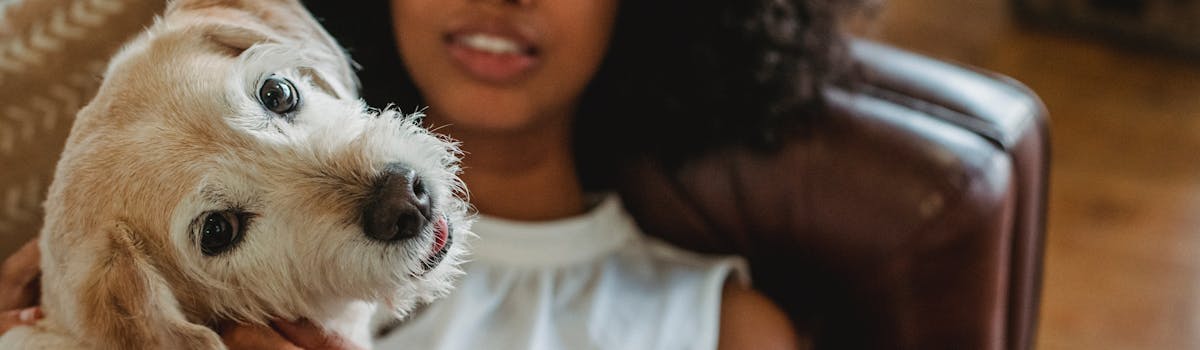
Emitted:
pixel 912 215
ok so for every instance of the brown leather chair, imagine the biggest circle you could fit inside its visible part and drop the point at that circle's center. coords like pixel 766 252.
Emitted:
pixel 911 218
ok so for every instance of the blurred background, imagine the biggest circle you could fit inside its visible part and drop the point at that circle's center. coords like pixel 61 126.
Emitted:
pixel 1121 79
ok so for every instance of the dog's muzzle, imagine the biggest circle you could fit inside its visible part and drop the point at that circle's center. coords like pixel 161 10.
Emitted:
pixel 399 207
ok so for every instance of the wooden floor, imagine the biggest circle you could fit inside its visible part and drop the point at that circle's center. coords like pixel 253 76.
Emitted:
pixel 1123 261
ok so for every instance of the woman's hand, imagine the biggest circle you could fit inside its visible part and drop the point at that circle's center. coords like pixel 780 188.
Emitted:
pixel 19 287
pixel 282 335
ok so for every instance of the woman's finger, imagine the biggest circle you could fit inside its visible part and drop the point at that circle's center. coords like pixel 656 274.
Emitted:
pixel 308 336
pixel 19 317
pixel 238 337
pixel 19 277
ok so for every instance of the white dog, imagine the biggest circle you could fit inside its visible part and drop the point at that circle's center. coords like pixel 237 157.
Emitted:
pixel 226 171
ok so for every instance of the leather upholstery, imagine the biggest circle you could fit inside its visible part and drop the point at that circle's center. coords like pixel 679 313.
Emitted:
pixel 909 217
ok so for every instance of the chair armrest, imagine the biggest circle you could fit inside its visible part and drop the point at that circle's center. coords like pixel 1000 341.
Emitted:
pixel 1012 116
pixel 910 216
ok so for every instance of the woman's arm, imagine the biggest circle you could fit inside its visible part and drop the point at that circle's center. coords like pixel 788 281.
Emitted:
pixel 751 321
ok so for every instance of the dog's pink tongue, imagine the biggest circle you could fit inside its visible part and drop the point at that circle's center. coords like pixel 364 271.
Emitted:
pixel 442 233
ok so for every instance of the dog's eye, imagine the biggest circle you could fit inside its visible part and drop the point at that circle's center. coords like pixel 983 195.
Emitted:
pixel 219 231
pixel 278 95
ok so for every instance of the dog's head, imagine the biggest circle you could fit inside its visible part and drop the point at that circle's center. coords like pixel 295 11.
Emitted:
pixel 225 170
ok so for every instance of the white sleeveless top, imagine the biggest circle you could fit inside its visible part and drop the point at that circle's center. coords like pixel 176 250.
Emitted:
pixel 589 282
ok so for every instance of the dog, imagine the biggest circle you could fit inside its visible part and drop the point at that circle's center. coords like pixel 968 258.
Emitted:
pixel 226 171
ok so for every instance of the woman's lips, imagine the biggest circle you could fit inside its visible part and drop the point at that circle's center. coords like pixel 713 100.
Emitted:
pixel 494 55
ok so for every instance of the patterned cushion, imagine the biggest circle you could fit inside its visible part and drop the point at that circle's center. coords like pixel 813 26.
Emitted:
pixel 52 54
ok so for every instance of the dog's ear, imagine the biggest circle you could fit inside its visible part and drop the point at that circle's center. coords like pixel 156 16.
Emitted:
pixel 237 38
pixel 127 304
pixel 239 24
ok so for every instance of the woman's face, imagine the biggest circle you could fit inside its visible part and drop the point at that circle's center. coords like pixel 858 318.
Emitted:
pixel 502 65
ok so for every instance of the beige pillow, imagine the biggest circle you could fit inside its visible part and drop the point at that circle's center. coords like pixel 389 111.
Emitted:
pixel 52 54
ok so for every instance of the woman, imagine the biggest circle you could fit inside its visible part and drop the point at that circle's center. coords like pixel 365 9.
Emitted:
pixel 547 97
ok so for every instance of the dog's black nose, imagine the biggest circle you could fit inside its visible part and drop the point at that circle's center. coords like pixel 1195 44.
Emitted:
pixel 398 207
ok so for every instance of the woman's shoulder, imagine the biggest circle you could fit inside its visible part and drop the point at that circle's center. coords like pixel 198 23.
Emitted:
pixel 727 312
pixel 737 316
pixel 749 320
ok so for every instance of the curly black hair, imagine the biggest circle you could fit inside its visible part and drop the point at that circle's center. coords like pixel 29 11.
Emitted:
pixel 681 77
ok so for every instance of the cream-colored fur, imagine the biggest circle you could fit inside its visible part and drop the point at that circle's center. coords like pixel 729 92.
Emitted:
pixel 176 131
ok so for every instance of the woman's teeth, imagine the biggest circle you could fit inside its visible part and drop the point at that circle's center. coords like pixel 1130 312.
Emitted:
pixel 490 44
